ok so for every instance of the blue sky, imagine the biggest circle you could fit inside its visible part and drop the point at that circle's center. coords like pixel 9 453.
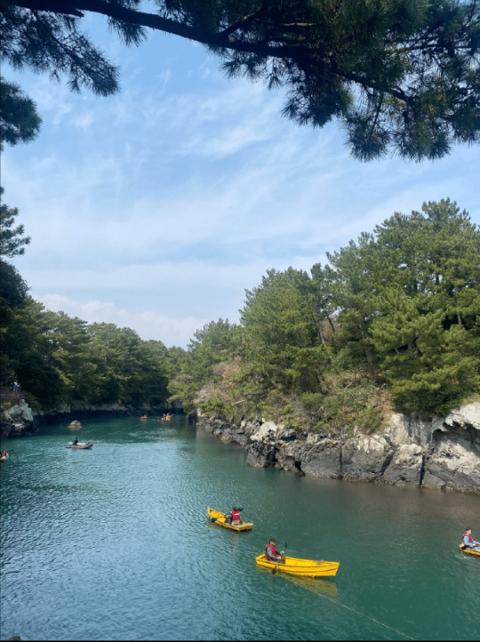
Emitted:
pixel 157 207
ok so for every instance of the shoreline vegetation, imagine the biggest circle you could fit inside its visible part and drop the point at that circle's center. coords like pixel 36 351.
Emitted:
pixel 391 324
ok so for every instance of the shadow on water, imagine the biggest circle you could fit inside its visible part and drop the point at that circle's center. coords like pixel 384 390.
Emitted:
pixel 317 586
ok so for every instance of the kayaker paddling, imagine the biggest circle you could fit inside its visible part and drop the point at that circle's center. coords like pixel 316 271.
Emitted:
pixel 272 554
pixel 79 445
pixel 469 542
pixel 222 519
pixel 235 517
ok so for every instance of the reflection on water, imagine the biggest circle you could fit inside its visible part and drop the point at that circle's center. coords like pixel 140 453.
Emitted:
pixel 318 586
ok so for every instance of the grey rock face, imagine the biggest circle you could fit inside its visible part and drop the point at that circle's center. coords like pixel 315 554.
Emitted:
pixel 365 458
pixel 406 466
pixel 289 455
pixel 454 461
pixel 323 459
pixel 441 453
pixel 261 454
pixel 17 420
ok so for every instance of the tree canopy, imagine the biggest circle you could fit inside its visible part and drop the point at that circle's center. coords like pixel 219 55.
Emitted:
pixel 19 121
pixel 393 320
pixel 62 360
pixel 13 289
pixel 12 239
pixel 400 75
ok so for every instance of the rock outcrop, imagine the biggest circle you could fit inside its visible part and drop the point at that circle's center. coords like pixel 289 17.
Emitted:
pixel 17 420
pixel 442 453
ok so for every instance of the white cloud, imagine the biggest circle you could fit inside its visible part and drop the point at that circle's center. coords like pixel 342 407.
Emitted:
pixel 83 121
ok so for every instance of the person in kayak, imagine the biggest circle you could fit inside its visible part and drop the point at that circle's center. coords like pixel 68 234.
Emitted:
pixel 75 441
pixel 234 516
pixel 469 542
pixel 272 554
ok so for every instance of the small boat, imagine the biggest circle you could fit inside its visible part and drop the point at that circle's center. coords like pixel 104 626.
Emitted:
pixel 4 456
pixel 81 445
pixel 220 519
pixel 301 567
pixel 75 425
pixel 469 551
pixel 143 417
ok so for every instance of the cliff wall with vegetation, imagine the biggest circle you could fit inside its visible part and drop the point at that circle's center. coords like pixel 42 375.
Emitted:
pixel 441 453
pixel 367 367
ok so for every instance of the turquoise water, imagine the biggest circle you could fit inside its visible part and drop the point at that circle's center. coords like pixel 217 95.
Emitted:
pixel 113 543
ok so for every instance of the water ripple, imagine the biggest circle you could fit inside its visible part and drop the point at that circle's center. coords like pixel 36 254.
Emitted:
pixel 114 543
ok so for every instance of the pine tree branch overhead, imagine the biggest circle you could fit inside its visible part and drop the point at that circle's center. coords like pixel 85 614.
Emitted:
pixel 402 76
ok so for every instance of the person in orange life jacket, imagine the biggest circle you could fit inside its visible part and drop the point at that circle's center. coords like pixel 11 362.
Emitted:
pixel 272 554
pixel 234 517
pixel 469 542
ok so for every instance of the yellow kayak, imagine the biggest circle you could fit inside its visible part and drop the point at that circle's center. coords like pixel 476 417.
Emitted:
pixel 298 566
pixel 219 518
pixel 469 551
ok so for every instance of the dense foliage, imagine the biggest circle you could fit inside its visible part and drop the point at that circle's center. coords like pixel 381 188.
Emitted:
pixel 392 320
pixel 60 360
pixel 12 239
pixel 400 75
pixel 195 368
pixel 13 289
pixel 19 121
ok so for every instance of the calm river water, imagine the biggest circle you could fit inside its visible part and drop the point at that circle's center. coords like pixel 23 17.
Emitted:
pixel 113 543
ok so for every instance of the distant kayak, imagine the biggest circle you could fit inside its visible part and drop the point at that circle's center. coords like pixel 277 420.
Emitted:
pixel 299 566
pixel 220 519
pixel 82 445
pixel 469 551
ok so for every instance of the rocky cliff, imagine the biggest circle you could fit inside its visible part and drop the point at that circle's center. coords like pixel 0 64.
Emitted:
pixel 442 453
pixel 16 419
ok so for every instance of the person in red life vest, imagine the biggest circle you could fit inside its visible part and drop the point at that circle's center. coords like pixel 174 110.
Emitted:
pixel 469 542
pixel 272 554
pixel 234 516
